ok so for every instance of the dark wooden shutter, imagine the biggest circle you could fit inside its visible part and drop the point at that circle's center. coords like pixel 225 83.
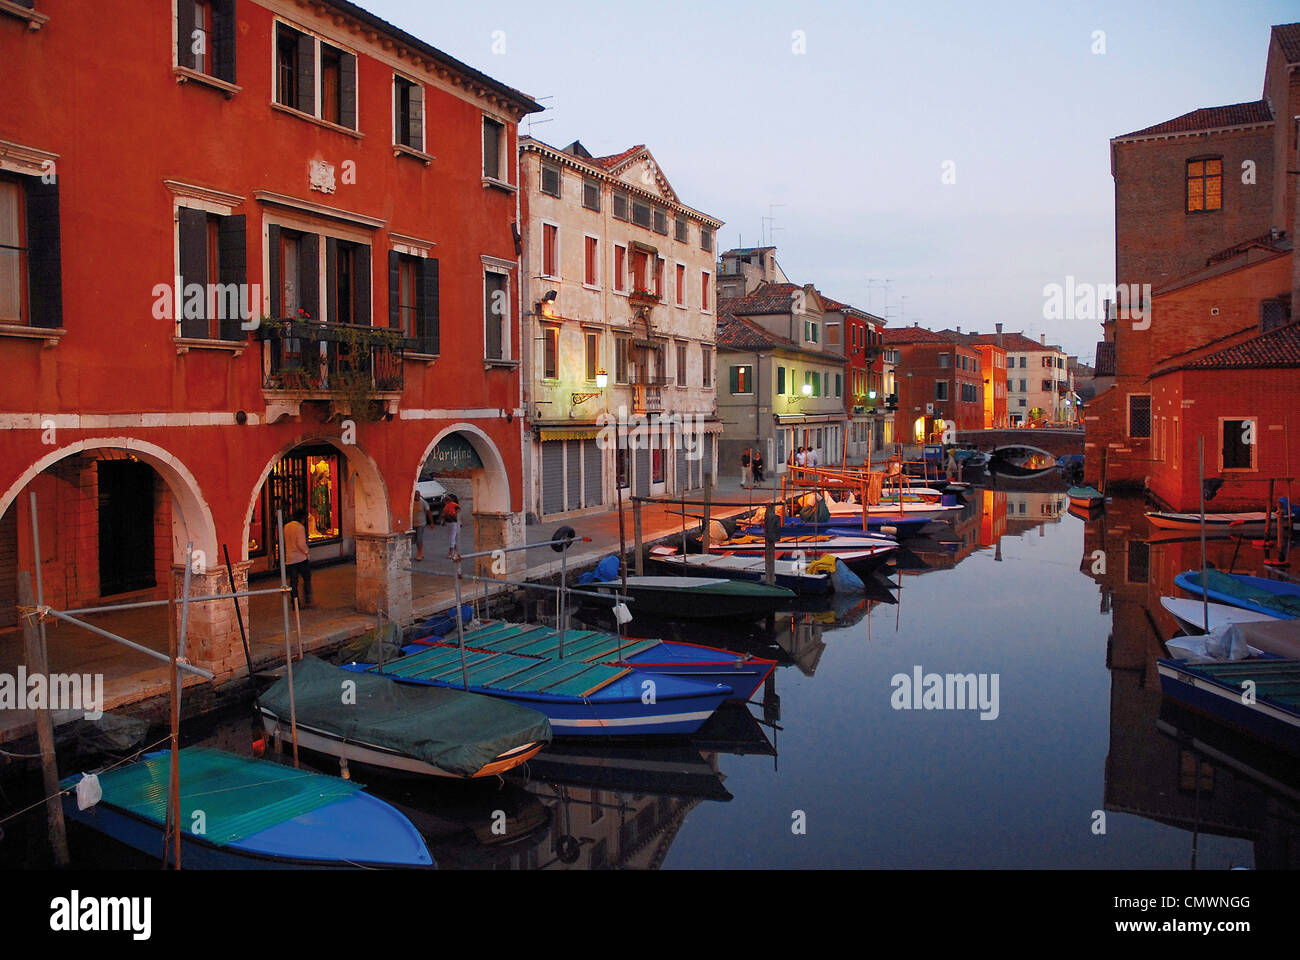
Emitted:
pixel 273 274
pixel 185 27
pixel 735 379
pixel 194 268
pixel 309 274
pixel 416 117
pixel 223 40
pixel 348 90
pixel 232 265
pixel 395 292
pixel 426 307
pixel 361 312
pixel 44 259
pixel 306 73
pixel 331 310
pixel 780 380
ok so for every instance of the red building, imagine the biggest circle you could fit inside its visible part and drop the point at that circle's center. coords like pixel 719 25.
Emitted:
pixel 940 383
pixel 1200 201
pixel 993 365
pixel 864 396
pixel 348 184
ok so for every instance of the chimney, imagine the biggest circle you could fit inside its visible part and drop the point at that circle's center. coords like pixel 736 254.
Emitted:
pixel 1042 339
pixel 998 328
pixel 959 328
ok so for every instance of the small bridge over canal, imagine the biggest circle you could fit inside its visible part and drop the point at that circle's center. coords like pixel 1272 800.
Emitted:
pixel 1057 442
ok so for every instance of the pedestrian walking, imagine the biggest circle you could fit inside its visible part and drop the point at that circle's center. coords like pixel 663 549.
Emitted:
pixel 451 517
pixel 421 517
pixel 757 465
pixel 746 474
pixel 297 564
pixel 800 458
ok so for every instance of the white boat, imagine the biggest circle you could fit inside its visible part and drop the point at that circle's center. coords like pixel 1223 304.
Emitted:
pixel 1190 614
pixel 1246 522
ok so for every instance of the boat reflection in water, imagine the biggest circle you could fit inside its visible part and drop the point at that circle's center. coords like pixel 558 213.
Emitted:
pixel 1165 762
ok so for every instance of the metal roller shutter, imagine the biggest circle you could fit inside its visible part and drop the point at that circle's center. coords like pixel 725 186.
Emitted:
pixel 707 463
pixel 552 476
pixel 642 488
pixel 573 474
pixel 683 465
pixel 593 474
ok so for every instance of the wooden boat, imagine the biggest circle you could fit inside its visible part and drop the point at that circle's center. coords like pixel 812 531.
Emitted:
pixel 861 554
pixel 1216 689
pixel 418 730
pixel 698 598
pixel 1250 522
pixel 929 511
pixel 253 814
pixel 790 574
pixel 1190 614
pixel 742 673
pixel 1272 597
pixel 897 527
pixel 1085 497
pixel 579 698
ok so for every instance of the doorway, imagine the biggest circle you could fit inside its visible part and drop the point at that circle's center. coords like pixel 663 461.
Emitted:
pixel 126 526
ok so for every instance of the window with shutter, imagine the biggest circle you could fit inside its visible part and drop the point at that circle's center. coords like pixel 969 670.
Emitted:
pixel 13 253
pixel 550 180
pixel 408 123
pixel 592 259
pixel 661 222
pixel 492 135
pixel 1238 448
pixel 550 250
pixel 622 352
pixel 496 313
pixel 706 238
pixel 593 355
pixel 550 353
pixel 681 284
pixel 331 83
pixel 681 364
pixel 682 233
pixel 1139 415
pixel 620 268
pixel 640 213
pixel 706 356
pixel 620 205
pixel 704 291
pixel 591 195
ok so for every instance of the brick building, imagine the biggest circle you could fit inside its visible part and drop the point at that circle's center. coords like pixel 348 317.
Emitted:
pixel 1200 201
pixel 940 383
pixel 348 185
pixel 864 396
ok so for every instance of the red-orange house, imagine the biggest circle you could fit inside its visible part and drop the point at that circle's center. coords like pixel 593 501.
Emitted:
pixel 353 187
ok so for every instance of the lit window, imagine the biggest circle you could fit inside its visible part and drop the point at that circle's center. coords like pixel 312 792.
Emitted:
pixel 1204 185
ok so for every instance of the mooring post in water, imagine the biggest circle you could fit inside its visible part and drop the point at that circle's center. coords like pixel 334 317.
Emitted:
pixel 708 501
pixel 34 650
pixel 171 832
pixel 636 535
pixel 239 614
pixel 1205 587
pixel 772 524
pixel 288 651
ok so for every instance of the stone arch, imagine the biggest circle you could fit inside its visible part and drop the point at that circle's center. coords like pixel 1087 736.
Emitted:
pixel 492 483
pixel 192 517
pixel 1024 446
pixel 372 514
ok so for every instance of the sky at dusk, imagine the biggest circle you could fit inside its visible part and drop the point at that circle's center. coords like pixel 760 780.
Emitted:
pixel 846 144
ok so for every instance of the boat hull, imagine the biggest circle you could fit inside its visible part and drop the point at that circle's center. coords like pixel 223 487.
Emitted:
pixel 749 568
pixel 688 602
pixel 1221 700
pixel 1273 586
pixel 1190 614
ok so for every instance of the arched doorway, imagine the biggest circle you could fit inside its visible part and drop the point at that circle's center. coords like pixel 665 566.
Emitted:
pixel 466 464
pixel 115 516
pixel 343 501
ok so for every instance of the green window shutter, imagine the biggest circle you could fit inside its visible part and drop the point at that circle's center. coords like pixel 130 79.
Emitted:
pixel 780 380
pixel 44 256
pixel 194 268
pixel 426 303
pixel 223 40
pixel 348 90
pixel 735 380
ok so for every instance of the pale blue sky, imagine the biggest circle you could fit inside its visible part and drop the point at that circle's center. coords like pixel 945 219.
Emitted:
pixel 846 144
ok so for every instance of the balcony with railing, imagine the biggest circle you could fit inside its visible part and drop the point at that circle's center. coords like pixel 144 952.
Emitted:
pixel 647 391
pixel 351 365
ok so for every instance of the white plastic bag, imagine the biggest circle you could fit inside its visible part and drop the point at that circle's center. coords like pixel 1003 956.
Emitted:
pixel 88 791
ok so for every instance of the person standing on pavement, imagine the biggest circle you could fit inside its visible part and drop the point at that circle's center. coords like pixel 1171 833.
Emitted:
pixel 451 517
pixel 421 517
pixel 757 465
pixel 746 474
pixel 296 561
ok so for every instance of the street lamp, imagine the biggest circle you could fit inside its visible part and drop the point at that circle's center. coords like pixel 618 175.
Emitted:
pixel 807 389
pixel 602 379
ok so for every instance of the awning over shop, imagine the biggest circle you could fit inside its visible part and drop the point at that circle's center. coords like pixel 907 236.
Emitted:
pixel 572 433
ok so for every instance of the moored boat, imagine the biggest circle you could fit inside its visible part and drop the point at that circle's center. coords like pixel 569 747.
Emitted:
pixel 411 729
pixel 742 673
pixel 1272 597
pixel 698 598
pixel 1247 522
pixel 579 698
pixel 791 574
pixel 1191 614
pixel 1086 498
pixel 1271 713
pixel 252 814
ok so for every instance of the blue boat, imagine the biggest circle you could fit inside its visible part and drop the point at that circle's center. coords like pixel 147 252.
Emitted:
pixel 580 699
pixel 743 673
pixel 1217 689
pixel 1271 597
pixel 241 813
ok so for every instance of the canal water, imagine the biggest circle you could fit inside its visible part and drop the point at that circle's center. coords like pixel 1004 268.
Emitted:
pixel 1067 759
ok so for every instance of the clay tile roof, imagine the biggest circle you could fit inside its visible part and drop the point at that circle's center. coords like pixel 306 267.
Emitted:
pixel 1277 348
pixel 741 334
pixel 1209 118
pixel 614 159
pixel 906 335
pixel 1288 38
pixel 767 298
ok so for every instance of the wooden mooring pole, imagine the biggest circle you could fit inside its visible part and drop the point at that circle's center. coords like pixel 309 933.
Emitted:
pixel 34 649
pixel 636 536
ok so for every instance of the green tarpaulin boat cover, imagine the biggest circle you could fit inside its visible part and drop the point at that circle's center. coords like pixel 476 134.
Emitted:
pixel 1232 587
pixel 453 730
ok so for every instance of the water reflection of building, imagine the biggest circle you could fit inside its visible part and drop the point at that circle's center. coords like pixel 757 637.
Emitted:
pixel 1149 773
pixel 1029 510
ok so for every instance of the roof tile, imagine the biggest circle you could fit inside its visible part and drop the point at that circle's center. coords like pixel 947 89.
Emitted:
pixel 1209 118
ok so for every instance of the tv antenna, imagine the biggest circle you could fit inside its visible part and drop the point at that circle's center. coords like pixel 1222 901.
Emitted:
pixel 769 226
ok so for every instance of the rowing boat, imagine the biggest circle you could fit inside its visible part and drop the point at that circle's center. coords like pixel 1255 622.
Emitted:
pixel 1272 597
